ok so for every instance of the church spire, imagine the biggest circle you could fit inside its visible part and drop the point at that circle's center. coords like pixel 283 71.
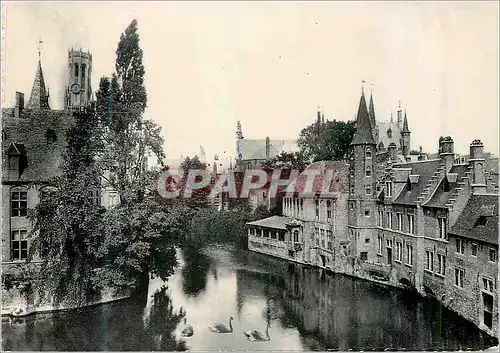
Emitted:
pixel 405 124
pixel 371 111
pixel 39 98
pixel 363 135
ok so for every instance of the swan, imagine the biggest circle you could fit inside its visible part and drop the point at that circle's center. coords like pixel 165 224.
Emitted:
pixel 254 335
pixel 221 328
pixel 188 330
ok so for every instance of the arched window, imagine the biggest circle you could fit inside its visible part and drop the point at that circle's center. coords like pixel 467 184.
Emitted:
pixel 76 70
pixel 83 76
pixel 51 137
pixel 249 165
pixel 296 236
pixel 368 171
pixel 368 189
pixel 368 152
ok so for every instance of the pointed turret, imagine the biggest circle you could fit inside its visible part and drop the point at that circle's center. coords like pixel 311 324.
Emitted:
pixel 371 112
pixel 405 124
pixel 363 135
pixel 39 98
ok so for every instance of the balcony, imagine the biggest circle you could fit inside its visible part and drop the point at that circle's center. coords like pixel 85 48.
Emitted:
pixel 294 246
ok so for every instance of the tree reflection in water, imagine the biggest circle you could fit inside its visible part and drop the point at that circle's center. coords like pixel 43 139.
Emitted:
pixel 163 321
pixel 195 271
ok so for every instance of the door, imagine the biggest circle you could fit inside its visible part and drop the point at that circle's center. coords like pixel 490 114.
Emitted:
pixel 389 256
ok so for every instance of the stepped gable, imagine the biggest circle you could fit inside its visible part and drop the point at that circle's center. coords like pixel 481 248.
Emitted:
pixel 425 170
pixel 448 187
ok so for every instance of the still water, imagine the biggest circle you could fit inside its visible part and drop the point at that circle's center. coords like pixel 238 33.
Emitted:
pixel 305 309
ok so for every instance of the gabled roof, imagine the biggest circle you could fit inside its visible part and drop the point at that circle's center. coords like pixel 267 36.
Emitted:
pixel 467 225
pixel 363 135
pixel 447 187
pixel 425 170
pixel 256 149
pixel 39 98
pixel 28 134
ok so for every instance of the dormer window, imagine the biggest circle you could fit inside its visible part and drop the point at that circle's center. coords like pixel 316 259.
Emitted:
pixel 481 221
pixel 368 152
pixel 51 137
pixel 17 160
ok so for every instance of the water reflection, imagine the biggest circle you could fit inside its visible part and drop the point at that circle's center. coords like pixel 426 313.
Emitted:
pixel 302 308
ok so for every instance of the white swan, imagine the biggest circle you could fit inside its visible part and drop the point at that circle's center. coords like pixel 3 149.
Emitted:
pixel 254 335
pixel 221 328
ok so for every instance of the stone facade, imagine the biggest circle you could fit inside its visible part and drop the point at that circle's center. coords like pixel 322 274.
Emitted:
pixel 398 217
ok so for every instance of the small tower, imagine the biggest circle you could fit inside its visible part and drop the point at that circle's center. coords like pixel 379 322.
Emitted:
pixel 239 133
pixel 373 120
pixel 362 180
pixel 39 98
pixel 79 89
pixel 405 137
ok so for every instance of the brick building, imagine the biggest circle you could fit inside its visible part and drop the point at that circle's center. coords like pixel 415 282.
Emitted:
pixel 33 143
pixel 400 216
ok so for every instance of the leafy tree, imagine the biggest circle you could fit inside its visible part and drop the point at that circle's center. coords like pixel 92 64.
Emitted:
pixel 261 212
pixel 328 142
pixel 287 160
pixel 67 223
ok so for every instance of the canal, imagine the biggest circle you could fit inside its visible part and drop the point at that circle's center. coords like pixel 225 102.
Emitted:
pixel 303 308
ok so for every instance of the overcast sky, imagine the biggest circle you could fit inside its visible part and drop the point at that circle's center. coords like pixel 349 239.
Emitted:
pixel 271 64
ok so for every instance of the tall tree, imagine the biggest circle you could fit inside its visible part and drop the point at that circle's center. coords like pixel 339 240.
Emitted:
pixel 328 141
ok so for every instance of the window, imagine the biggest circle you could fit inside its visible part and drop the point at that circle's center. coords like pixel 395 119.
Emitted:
pixel 301 202
pixel 429 263
pixel 442 228
pixel 473 249
pixel 488 310
pixel 95 197
pixel 368 152
pixel 389 243
pixel 409 254
pixel 367 240
pixel 296 236
pixel 459 277
pixel 493 255
pixel 389 220
pixel 379 245
pixel 317 208
pixel 83 76
pixel 368 189
pixel 322 231
pixel 328 209
pixel 411 224
pixel 351 205
pixel 460 244
pixel 399 251
pixel 400 221
pixel 441 264
pixel 367 213
pixel 368 171
pixel 488 285
pixel 50 136
pixel 329 239
pixel 317 237
pixel 19 203
pixel 274 235
pixel 19 245
pixel 388 188
pixel 481 221
pixel 380 218
pixel 363 256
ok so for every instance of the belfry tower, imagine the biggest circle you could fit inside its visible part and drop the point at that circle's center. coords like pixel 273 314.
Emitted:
pixel 79 89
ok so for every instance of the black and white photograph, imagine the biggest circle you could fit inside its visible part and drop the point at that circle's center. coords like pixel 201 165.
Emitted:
pixel 250 176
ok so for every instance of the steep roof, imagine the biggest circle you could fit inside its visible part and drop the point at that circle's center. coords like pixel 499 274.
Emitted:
pixel 425 170
pixel 479 219
pixel 371 113
pixel 363 135
pixel 256 149
pixel 39 98
pixel 405 124
pixel 447 187
pixel 43 159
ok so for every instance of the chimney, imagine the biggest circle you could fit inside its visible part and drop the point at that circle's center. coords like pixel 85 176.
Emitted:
pixel 421 155
pixel 18 108
pixel 447 151
pixel 268 146
pixel 476 165
pixel 392 151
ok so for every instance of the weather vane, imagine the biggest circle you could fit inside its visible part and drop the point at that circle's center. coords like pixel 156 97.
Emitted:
pixel 40 42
